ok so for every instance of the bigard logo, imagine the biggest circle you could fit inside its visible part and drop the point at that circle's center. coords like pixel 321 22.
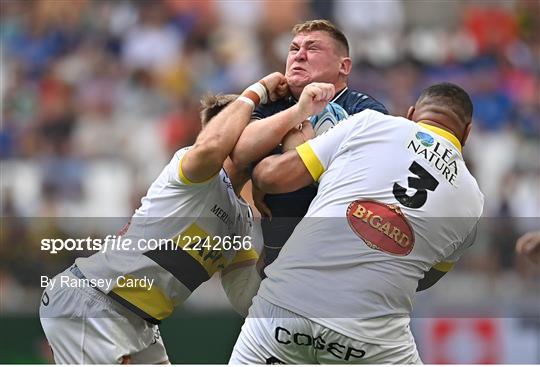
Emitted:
pixel 383 227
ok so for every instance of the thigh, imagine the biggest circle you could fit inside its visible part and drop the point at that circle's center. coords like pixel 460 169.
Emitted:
pixel 83 326
pixel 75 338
pixel 272 335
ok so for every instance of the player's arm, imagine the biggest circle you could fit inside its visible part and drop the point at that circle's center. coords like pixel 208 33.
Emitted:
pixel 240 280
pixel 218 138
pixel 261 136
pixel 281 173
pixel 300 167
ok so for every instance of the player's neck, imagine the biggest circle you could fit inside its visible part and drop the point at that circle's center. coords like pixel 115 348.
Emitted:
pixel 442 130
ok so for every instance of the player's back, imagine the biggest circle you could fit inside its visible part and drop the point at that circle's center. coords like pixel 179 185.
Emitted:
pixel 395 199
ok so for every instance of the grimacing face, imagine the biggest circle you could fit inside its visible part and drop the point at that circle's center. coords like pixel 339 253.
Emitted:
pixel 312 57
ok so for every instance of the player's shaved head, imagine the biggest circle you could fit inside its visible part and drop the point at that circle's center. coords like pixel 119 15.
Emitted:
pixel 450 96
pixel 447 105
pixel 212 104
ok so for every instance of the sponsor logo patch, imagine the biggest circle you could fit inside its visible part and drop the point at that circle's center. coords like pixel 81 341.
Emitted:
pixel 426 139
pixel 383 227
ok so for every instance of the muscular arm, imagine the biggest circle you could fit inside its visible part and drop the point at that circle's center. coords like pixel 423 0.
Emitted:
pixel 215 142
pixel 218 138
pixel 281 173
pixel 261 136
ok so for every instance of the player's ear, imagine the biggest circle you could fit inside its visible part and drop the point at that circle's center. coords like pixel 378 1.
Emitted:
pixel 466 133
pixel 345 66
pixel 410 113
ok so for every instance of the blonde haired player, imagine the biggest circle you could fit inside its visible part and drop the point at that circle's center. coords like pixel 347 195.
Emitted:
pixel 396 207
pixel 194 202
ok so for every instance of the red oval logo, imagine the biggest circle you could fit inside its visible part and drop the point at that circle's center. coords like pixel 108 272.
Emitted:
pixel 382 227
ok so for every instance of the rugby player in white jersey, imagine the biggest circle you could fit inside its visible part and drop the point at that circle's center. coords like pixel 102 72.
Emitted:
pixel 111 315
pixel 396 208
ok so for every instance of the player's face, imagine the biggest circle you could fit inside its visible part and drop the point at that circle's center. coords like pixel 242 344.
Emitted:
pixel 313 57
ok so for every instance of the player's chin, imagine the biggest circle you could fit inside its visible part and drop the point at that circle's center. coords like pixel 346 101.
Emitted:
pixel 298 80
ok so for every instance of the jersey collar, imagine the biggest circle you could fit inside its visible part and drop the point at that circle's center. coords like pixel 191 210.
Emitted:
pixel 445 134
pixel 336 97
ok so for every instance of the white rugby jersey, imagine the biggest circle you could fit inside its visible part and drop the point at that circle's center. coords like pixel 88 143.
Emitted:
pixel 186 214
pixel 395 199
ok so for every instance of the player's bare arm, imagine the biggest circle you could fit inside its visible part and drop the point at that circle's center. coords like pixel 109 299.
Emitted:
pixel 218 138
pixel 261 136
pixel 281 173
pixel 298 136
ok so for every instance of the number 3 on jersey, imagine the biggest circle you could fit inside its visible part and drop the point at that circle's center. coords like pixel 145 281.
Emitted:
pixel 424 182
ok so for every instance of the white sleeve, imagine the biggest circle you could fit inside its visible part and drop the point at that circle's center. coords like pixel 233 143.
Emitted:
pixel 460 250
pixel 175 174
pixel 318 153
pixel 240 286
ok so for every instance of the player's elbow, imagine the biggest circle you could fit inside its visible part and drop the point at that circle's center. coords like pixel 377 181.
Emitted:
pixel 266 175
pixel 238 156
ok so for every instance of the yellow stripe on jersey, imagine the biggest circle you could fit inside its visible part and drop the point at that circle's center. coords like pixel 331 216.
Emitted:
pixel 152 301
pixel 202 251
pixel 311 161
pixel 443 266
pixel 186 180
pixel 445 134
pixel 242 258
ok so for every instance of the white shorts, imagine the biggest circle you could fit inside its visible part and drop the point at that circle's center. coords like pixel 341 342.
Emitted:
pixel 84 326
pixel 274 335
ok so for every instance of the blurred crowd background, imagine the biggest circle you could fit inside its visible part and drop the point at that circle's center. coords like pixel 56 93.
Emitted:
pixel 97 95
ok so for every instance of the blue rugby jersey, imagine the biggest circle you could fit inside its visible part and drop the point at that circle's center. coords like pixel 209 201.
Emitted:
pixel 288 209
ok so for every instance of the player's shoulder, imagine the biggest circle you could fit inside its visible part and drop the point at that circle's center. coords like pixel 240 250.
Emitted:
pixel 181 152
pixel 354 101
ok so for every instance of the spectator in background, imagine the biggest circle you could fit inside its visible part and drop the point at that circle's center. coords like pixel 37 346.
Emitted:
pixel 529 245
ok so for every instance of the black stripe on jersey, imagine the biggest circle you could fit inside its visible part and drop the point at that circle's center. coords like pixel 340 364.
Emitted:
pixel 136 310
pixel 181 265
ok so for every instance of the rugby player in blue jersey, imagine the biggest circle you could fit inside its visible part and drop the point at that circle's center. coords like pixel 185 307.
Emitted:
pixel 319 52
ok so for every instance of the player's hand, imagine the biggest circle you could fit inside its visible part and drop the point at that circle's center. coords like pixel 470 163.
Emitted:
pixel 529 245
pixel 258 200
pixel 314 99
pixel 277 86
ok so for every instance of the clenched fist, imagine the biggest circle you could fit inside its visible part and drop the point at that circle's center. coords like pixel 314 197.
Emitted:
pixel 314 99
pixel 276 85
